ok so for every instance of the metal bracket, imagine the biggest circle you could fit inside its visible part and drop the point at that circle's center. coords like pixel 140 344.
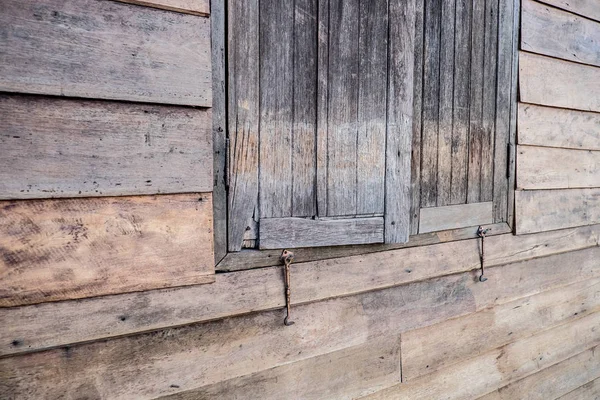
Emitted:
pixel 481 233
pixel 287 257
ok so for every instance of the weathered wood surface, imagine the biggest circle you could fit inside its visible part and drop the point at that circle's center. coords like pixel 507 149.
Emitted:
pixel 586 8
pixel 545 210
pixel 278 233
pixel 75 148
pixel 457 216
pixel 196 7
pixel 589 391
pixel 555 168
pixel 68 249
pixel 62 323
pixel 512 140
pixel 480 375
pixel 322 106
pixel 551 82
pixel 555 381
pixel 415 174
pixel 344 374
pixel 440 346
pixel 557 127
pixel 106 50
pixel 578 40
pixel 185 358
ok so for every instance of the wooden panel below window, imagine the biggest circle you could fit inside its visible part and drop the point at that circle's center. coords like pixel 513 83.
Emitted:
pixel 587 8
pixel 75 248
pixel 458 216
pixel 197 7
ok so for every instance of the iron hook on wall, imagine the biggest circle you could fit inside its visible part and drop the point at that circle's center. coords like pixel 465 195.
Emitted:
pixel 481 233
pixel 287 257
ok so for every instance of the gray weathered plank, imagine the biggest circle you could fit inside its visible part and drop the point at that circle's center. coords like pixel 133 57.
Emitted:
pixel 278 233
pixel 545 210
pixel 322 106
pixel 557 127
pixel 76 248
pixel 243 118
pixel 196 7
pixel 587 8
pixel 512 139
pixel 400 118
pixel 106 50
pixel 588 391
pixel 556 168
pixel 551 82
pixel 456 216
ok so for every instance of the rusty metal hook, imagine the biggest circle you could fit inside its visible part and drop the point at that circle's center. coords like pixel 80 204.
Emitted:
pixel 481 233
pixel 287 257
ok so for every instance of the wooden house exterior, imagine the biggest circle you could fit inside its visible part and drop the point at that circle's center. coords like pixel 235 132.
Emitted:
pixel 433 165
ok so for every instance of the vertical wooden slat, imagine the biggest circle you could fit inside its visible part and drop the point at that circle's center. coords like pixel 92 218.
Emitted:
pixel 431 90
pixel 276 111
pixel 243 117
pixel 462 81
pixel 512 140
pixel 444 166
pixel 343 107
pixel 305 108
pixel 400 109
pixel 322 105
pixel 370 166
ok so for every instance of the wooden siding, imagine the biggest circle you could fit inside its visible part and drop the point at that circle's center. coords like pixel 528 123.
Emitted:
pixel 457 216
pixel 196 7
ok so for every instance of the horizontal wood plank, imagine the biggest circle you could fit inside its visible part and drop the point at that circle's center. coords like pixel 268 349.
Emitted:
pixel 105 50
pixel 277 233
pixel 557 127
pixel 589 391
pixel 578 40
pixel 546 210
pixel 551 82
pixel 553 168
pixel 54 324
pixel 456 216
pixel 79 148
pixel 68 249
pixel 440 346
pixel 196 7
pixel 181 359
pixel 555 381
pixel 586 8
pixel 483 374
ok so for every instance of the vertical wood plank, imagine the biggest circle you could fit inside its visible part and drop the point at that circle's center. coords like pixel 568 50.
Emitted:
pixel 322 106
pixel 431 91
pixel 462 81
pixel 243 117
pixel 305 108
pixel 276 111
pixel 343 107
pixel 373 63
pixel 513 114
pixel 400 109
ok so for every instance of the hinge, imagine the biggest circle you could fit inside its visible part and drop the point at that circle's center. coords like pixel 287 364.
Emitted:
pixel 508 160
pixel 226 169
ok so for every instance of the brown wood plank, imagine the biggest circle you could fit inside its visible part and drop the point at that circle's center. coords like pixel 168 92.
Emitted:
pixel 399 122
pixel 589 391
pixel 105 50
pixel 556 168
pixel 557 127
pixel 554 381
pixel 68 249
pixel 180 359
pixel 545 210
pixel 551 82
pixel 196 7
pixel 243 118
pixel 79 148
pixel 279 233
pixel 48 325
pixel 586 8
pixel 456 216
pixel 347 373
pixel 480 375
pixel 578 39
pixel 439 346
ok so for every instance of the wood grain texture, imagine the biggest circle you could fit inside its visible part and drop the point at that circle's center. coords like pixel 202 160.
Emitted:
pixel 578 40
pixel 49 325
pixel 105 50
pixel 478 376
pixel 322 107
pixel 279 233
pixel 343 374
pixel 551 82
pixel 196 7
pixel 555 381
pixel 512 139
pixel 68 249
pixel 555 168
pixel 589 391
pixel 457 216
pixel 180 359
pixel 545 210
pixel 79 148
pixel 439 346
pixel 586 8
pixel 557 127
